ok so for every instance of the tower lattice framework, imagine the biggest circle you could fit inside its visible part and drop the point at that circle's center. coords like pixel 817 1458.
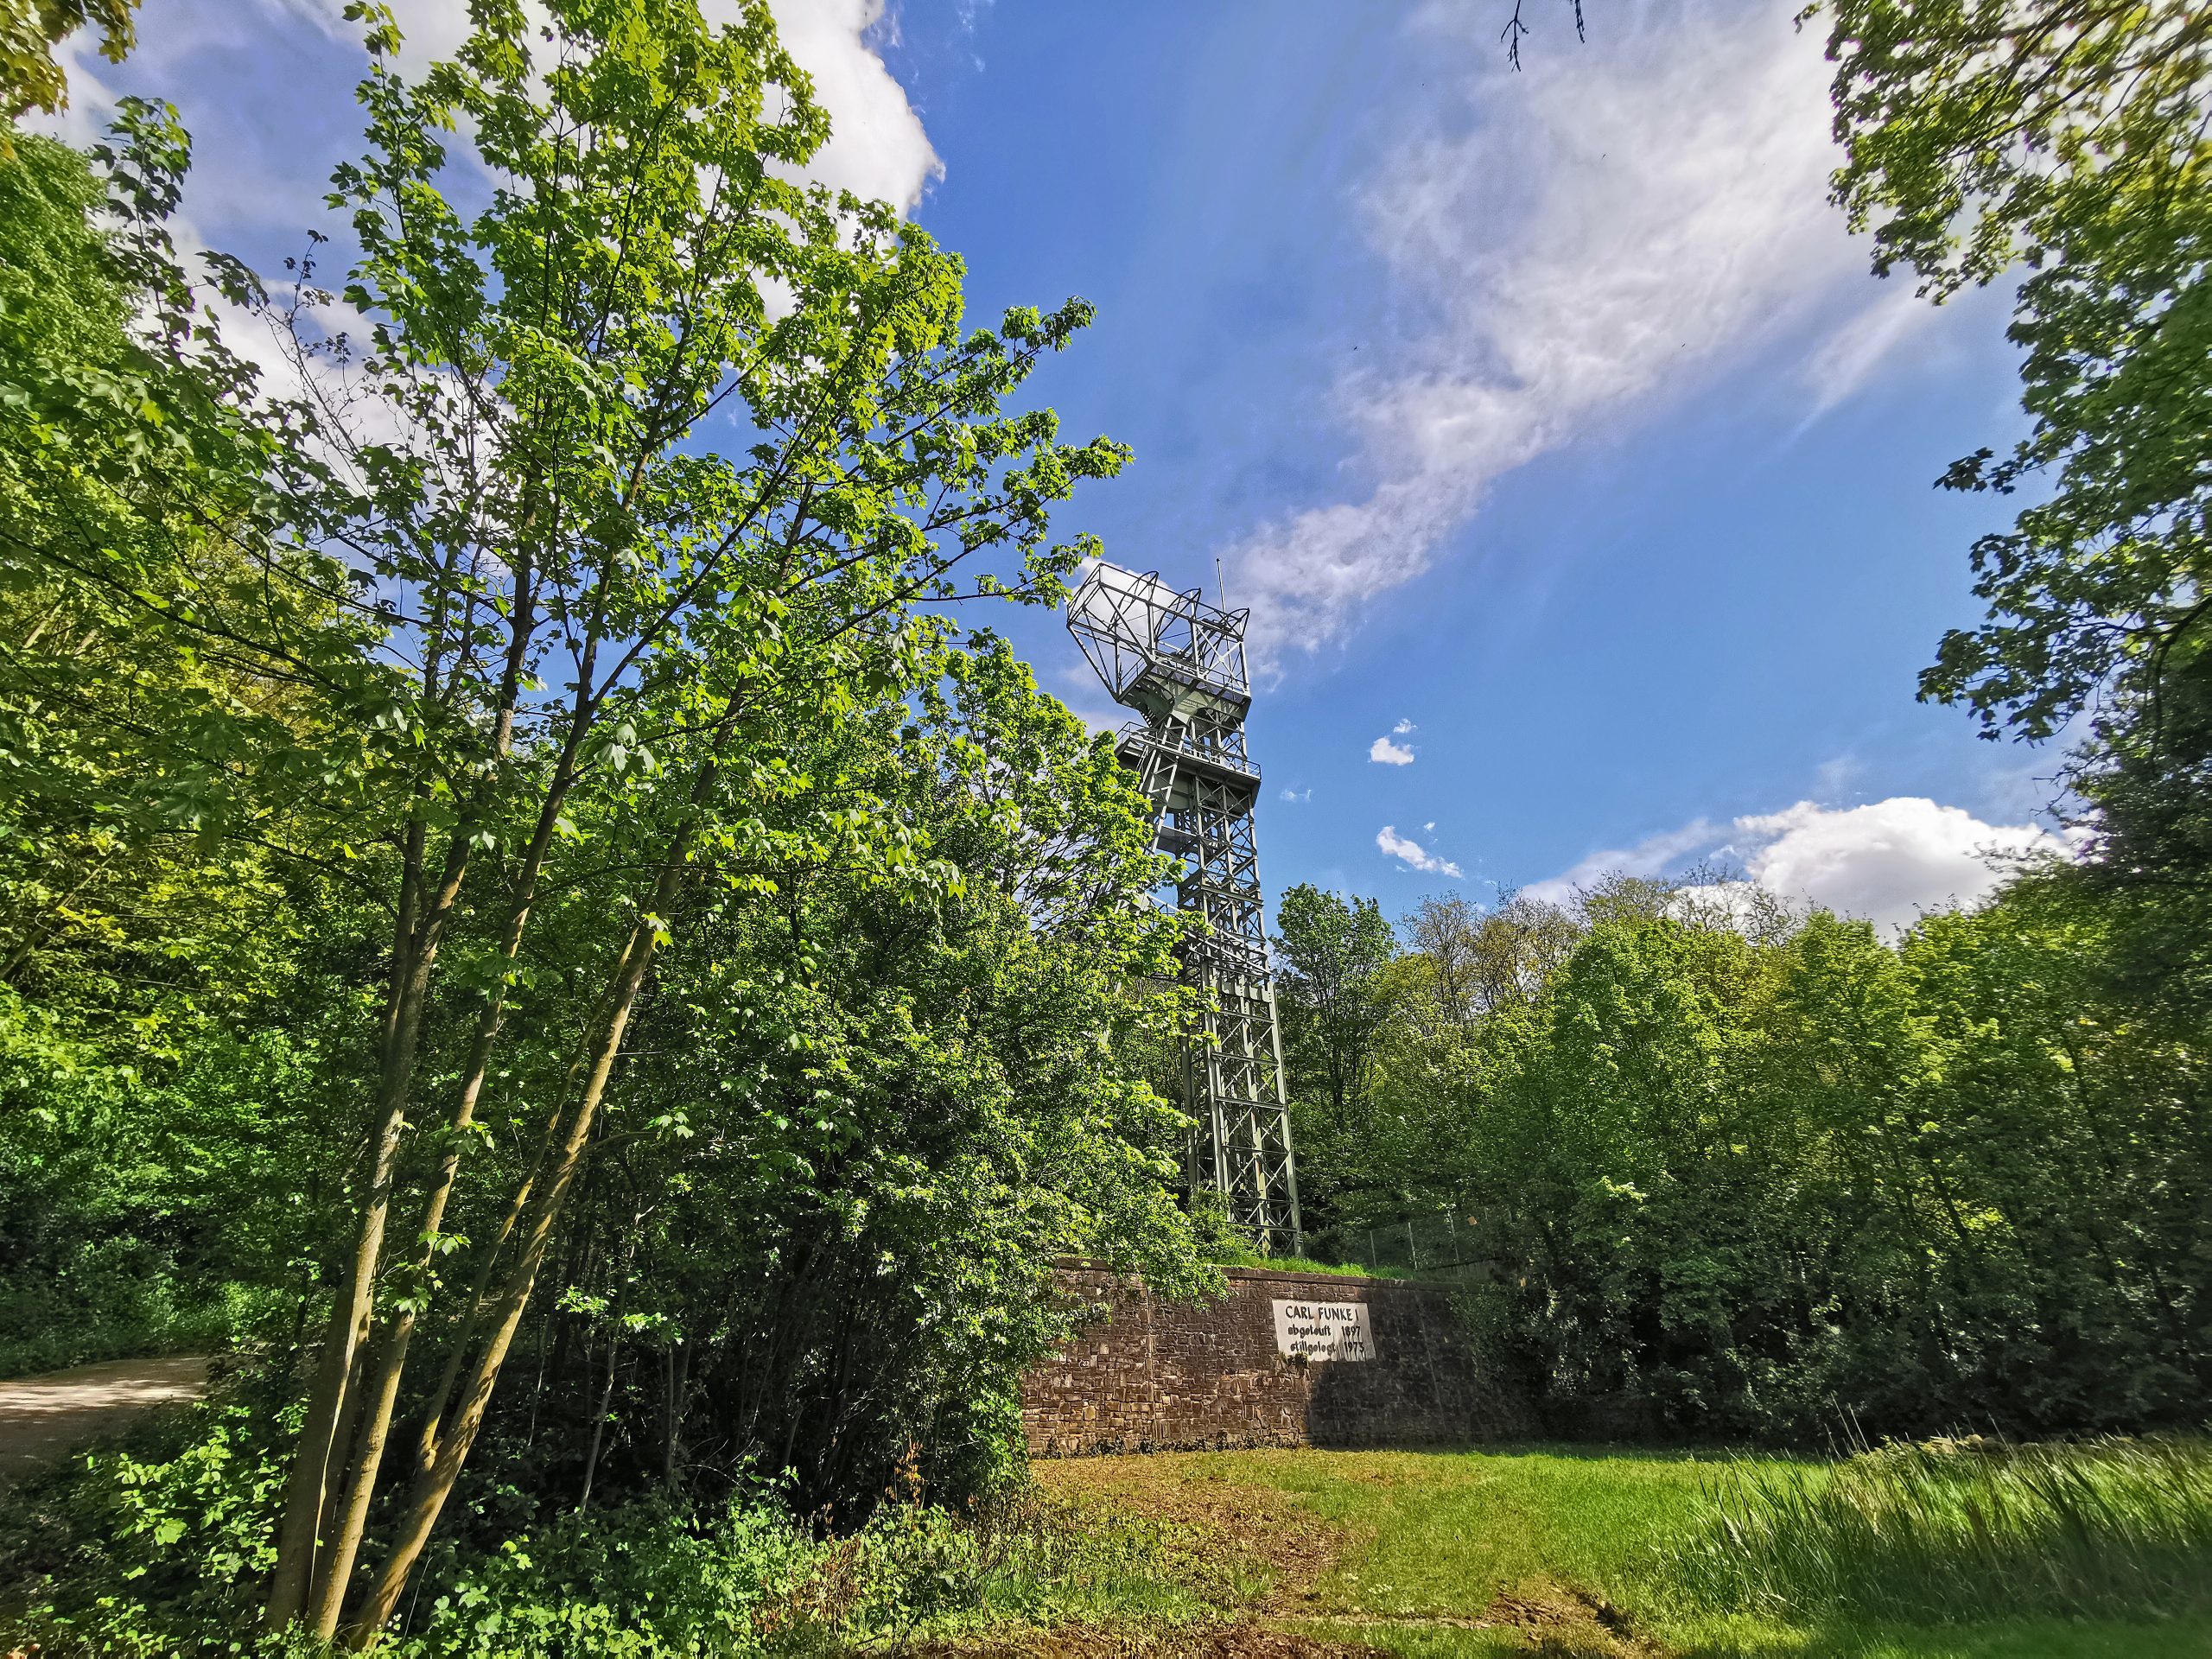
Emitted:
pixel 1180 663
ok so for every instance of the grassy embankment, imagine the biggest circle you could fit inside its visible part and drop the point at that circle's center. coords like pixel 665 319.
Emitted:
pixel 1979 1553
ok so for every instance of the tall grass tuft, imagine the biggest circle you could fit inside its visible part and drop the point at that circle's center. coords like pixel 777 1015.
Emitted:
pixel 1954 1529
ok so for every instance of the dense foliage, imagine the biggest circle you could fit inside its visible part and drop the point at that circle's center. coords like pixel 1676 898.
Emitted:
pixel 1737 1173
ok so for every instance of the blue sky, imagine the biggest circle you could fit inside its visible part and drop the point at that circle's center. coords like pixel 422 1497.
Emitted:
pixel 1550 422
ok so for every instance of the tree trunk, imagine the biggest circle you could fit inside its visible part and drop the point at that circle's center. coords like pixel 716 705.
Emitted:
pixel 599 1420
pixel 434 1482
pixel 433 1485
pixel 335 1567
pixel 382 1392
pixel 334 1407
pixel 331 1403
pixel 678 1364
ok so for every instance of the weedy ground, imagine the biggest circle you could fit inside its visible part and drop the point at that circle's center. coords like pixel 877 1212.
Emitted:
pixel 1952 1551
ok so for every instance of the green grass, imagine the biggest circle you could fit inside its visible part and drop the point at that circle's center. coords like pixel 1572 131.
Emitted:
pixel 1621 1551
pixel 1235 1258
pixel 1445 1533
pixel 1953 1530
pixel 1305 1264
pixel 1044 1562
pixel 2043 1638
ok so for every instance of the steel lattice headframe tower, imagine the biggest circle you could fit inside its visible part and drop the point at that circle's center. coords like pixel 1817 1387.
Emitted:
pixel 1180 663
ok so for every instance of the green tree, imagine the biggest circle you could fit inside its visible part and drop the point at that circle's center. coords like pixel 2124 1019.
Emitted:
pixel 1332 954
pixel 647 266
pixel 863 1121
pixel 1740 1172
pixel 1479 961
pixel 163 1061
pixel 2064 1140
pixel 1330 951
pixel 114 449
pixel 31 29
pixel 556 670
pixel 2067 136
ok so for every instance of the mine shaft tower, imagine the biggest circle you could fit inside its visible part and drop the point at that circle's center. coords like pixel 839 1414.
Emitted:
pixel 1180 663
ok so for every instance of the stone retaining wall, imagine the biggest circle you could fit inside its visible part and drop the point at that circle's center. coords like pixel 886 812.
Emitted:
pixel 1146 1374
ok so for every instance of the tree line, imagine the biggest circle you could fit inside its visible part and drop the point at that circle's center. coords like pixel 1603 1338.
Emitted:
pixel 1732 1171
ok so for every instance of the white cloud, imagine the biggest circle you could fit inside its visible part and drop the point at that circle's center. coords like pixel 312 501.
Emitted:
pixel 1383 752
pixel 1297 795
pixel 1615 225
pixel 1412 855
pixel 233 54
pixel 877 148
pixel 1848 359
pixel 1402 727
pixel 1886 862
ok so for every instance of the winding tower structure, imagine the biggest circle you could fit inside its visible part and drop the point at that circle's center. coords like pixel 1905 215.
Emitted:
pixel 1178 661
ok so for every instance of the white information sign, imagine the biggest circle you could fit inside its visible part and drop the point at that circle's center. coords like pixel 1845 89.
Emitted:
pixel 1324 1331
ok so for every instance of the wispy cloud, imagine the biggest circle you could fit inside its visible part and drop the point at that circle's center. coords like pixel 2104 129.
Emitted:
pixel 1653 855
pixel 1848 359
pixel 1297 796
pixel 1599 232
pixel 1412 855
pixel 1833 777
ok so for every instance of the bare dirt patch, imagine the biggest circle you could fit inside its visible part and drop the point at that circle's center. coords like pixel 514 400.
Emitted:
pixel 1269 1529
pixel 1237 1641
pixel 43 1417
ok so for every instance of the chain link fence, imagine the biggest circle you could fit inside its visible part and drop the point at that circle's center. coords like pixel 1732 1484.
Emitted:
pixel 1441 1245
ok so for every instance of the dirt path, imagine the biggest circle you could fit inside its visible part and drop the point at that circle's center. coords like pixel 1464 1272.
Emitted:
pixel 1274 1529
pixel 42 1417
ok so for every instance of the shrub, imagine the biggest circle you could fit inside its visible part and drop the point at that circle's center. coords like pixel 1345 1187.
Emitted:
pixel 638 1582
pixel 157 1550
pixel 164 1547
